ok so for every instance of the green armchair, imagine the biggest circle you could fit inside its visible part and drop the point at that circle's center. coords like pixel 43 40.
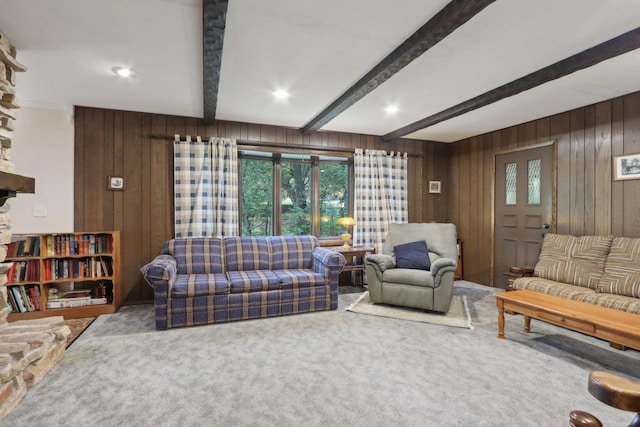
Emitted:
pixel 426 289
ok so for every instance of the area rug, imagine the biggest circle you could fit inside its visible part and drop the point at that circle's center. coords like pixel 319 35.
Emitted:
pixel 458 315
pixel 77 327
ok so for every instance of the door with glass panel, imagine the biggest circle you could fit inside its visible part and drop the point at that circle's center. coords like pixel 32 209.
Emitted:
pixel 523 211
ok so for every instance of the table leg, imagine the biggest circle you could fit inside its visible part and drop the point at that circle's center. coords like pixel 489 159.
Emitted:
pixel 527 324
pixel 500 304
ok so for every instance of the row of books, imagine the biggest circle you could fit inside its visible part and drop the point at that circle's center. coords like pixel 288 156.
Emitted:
pixel 68 296
pixel 23 298
pixel 30 246
pixel 77 268
pixel 78 244
pixel 24 271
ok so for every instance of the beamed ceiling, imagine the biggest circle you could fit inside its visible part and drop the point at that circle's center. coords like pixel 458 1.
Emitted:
pixel 453 69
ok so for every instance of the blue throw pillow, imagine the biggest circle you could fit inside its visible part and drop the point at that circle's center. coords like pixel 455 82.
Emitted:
pixel 412 255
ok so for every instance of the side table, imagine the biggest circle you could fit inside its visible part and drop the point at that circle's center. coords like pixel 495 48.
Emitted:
pixel 355 260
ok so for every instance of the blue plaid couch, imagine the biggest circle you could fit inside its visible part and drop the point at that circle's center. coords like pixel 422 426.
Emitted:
pixel 209 280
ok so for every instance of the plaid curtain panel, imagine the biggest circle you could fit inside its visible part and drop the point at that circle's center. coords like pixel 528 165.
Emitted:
pixel 205 187
pixel 380 195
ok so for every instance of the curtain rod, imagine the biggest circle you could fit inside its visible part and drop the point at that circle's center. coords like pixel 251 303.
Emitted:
pixel 276 145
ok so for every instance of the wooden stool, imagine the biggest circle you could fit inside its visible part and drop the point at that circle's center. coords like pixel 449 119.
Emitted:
pixel 614 390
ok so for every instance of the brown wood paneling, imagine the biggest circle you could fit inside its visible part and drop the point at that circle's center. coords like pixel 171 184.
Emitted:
pixel 617 148
pixel 588 200
pixel 78 169
pixel 576 163
pixel 589 170
pixel 127 144
pixel 94 165
pixel 631 198
pixel 602 175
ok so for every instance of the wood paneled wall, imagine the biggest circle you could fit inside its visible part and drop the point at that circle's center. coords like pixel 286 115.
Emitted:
pixel 588 200
pixel 138 146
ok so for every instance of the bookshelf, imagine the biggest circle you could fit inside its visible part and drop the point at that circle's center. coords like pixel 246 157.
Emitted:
pixel 64 274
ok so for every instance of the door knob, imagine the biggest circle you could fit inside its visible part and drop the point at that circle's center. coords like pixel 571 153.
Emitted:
pixel 545 226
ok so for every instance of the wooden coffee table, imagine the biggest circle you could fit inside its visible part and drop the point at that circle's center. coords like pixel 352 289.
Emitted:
pixel 619 328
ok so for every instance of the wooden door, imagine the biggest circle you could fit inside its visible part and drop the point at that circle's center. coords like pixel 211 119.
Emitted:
pixel 523 211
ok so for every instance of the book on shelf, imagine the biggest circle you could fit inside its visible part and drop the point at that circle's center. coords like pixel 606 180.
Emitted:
pixel 33 295
pixel 18 299
pixel 26 299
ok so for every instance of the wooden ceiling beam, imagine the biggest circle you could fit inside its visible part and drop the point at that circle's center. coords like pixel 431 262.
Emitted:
pixel 451 17
pixel 617 46
pixel 214 16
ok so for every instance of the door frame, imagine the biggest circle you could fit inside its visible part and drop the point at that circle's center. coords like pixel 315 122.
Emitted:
pixel 554 194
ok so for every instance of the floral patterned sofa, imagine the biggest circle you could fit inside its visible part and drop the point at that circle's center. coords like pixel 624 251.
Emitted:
pixel 601 270
pixel 208 280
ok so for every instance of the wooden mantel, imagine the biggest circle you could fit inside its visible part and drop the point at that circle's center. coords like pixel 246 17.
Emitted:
pixel 10 184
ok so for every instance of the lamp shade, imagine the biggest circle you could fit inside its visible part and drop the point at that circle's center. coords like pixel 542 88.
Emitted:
pixel 346 221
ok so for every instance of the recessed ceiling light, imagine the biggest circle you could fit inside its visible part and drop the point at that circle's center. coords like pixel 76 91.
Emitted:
pixel 280 94
pixel 123 71
pixel 391 109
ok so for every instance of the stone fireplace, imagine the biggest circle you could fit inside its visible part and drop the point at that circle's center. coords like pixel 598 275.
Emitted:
pixel 28 348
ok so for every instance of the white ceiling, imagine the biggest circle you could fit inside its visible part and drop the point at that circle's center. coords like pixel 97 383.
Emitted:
pixel 316 50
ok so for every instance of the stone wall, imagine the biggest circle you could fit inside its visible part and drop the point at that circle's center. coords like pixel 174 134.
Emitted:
pixel 28 348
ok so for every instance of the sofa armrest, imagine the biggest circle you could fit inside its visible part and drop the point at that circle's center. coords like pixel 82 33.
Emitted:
pixel 163 269
pixel 380 261
pixel 327 262
pixel 441 266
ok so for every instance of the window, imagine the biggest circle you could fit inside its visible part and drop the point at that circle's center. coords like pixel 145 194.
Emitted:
pixel 334 195
pixel 257 195
pixel 293 194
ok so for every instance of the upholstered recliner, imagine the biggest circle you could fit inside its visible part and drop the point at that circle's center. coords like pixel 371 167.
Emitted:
pixel 426 289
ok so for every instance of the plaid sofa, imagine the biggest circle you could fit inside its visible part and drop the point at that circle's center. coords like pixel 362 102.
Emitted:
pixel 601 270
pixel 209 280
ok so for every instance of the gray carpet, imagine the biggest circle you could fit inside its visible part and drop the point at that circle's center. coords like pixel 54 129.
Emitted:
pixel 328 368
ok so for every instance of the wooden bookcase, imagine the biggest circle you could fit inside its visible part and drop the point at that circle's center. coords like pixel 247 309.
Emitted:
pixel 65 263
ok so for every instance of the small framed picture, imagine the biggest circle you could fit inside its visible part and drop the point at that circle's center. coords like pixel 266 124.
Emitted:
pixel 434 186
pixel 626 167
pixel 115 183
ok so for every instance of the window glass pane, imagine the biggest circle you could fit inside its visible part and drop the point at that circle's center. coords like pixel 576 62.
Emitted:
pixel 295 198
pixel 257 178
pixel 334 197
pixel 533 169
pixel 510 183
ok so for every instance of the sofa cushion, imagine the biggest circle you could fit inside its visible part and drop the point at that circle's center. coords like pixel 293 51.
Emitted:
pixel 573 260
pixel 618 302
pixel 246 253
pixel 253 281
pixel 551 287
pixel 191 285
pixel 407 276
pixel 291 251
pixel 412 255
pixel 622 270
pixel 299 278
pixel 201 255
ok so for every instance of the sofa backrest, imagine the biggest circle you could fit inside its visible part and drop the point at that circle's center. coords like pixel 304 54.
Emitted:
pixel 200 255
pixel 441 238
pixel 622 269
pixel 292 251
pixel 246 253
pixel 205 255
pixel 573 260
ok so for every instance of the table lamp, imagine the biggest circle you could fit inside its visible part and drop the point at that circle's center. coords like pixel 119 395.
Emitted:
pixel 346 222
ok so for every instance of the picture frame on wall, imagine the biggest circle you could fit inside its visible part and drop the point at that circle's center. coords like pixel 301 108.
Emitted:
pixel 434 186
pixel 626 167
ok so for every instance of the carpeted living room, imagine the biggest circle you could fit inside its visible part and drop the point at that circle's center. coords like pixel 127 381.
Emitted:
pixel 256 212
